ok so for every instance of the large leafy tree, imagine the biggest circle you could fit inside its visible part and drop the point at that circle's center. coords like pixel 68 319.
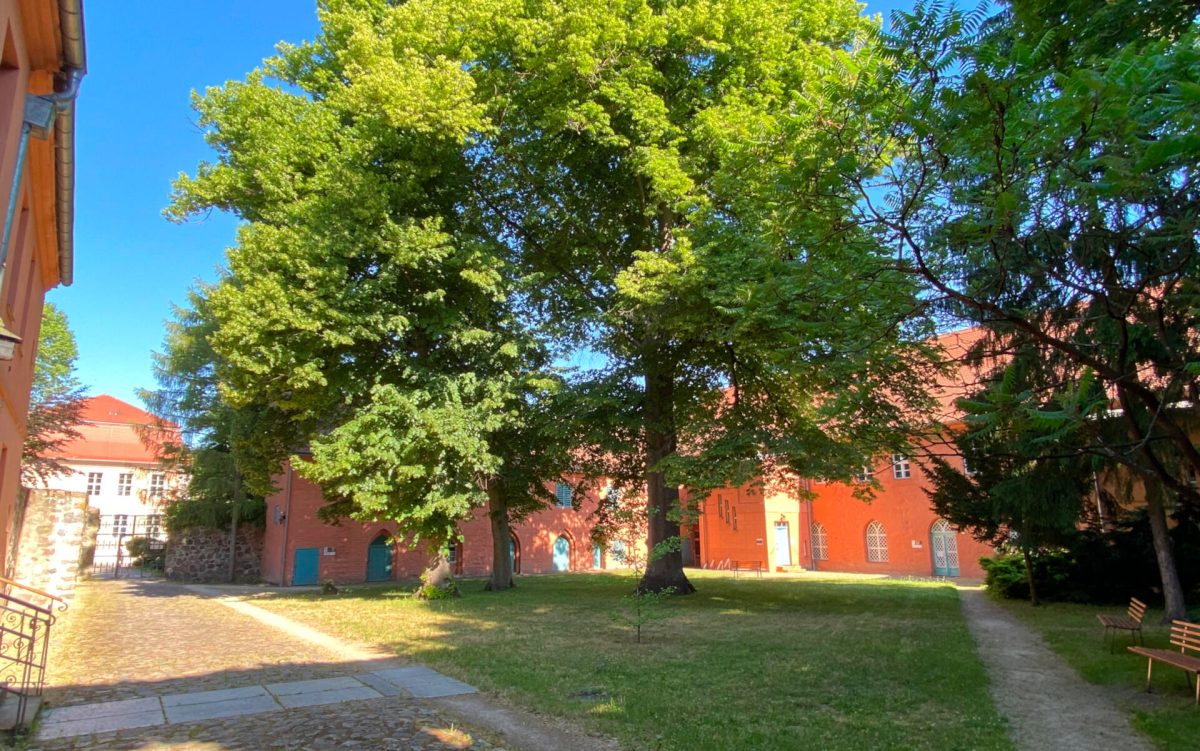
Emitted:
pixel 56 400
pixel 366 304
pixel 1046 190
pixel 441 195
pixel 663 172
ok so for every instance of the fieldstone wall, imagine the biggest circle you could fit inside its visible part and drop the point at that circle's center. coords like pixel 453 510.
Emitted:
pixel 50 536
pixel 201 554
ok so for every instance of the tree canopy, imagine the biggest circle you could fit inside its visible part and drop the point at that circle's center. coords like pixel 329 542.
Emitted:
pixel 56 400
pixel 443 198
pixel 1045 189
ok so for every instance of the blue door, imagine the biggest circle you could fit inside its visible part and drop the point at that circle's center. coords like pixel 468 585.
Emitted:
pixel 379 560
pixel 304 568
pixel 597 557
pixel 562 554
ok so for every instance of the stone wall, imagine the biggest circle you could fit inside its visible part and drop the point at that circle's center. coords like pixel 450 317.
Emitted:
pixel 201 554
pixel 50 536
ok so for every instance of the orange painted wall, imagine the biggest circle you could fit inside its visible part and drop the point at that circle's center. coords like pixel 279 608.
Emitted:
pixel 28 37
pixel 292 523
pixel 905 512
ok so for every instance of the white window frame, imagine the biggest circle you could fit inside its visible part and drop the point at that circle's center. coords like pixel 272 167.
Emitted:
pixel 820 542
pixel 158 485
pixel 901 467
pixel 120 525
pixel 125 484
pixel 95 482
pixel 863 474
pixel 877 547
pixel 563 495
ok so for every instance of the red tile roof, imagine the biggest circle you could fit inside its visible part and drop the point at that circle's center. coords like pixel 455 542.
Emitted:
pixel 110 433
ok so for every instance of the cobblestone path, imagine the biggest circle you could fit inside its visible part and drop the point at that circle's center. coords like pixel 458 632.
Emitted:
pixel 134 639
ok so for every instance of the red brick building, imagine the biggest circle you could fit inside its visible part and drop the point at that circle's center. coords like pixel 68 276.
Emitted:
pixel 299 548
pixel 779 527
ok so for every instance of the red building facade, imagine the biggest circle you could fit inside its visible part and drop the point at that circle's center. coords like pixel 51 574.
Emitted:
pixel 785 526
pixel 555 539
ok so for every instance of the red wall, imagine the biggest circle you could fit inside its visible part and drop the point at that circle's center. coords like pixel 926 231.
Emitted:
pixel 905 512
pixel 299 500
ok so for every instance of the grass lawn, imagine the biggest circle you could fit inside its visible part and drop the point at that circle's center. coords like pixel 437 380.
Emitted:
pixel 755 664
pixel 1169 715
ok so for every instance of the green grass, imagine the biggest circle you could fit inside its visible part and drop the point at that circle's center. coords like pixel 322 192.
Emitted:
pixel 743 664
pixel 1169 716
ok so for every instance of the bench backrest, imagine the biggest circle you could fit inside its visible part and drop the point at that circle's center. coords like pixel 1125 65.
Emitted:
pixel 1186 636
pixel 1137 610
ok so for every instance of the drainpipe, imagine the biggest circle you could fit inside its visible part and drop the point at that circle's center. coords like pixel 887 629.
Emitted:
pixel 55 110
pixel 70 14
pixel 287 520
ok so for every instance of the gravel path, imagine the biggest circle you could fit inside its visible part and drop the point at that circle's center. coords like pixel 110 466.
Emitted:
pixel 1045 702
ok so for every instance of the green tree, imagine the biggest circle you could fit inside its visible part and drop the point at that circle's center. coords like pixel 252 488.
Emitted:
pixel 440 196
pixel 1045 189
pixel 56 401
pixel 366 304
pixel 665 175
pixel 200 435
pixel 1025 477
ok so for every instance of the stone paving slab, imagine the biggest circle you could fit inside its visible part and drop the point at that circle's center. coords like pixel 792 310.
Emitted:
pixel 217 709
pixel 104 724
pixel 103 709
pixel 313 686
pixel 317 698
pixel 221 695
pixel 424 683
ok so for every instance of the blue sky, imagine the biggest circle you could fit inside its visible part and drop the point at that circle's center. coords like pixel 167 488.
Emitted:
pixel 136 132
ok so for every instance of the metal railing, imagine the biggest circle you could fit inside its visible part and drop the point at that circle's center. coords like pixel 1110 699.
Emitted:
pixel 26 615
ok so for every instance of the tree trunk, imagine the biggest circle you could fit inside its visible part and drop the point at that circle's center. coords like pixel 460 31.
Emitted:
pixel 502 575
pixel 664 571
pixel 1033 598
pixel 1176 607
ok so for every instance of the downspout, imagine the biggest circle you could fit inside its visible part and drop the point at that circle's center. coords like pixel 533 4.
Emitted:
pixel 287 519
pixel 70 17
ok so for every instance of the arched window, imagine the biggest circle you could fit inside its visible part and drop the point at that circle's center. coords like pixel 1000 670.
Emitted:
pixel 562 554
pixel 514 552
pixel 876 543
pixel 820 542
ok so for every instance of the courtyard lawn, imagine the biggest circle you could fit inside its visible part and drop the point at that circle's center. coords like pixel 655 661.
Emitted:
pixel 1169 715
pixel 756 664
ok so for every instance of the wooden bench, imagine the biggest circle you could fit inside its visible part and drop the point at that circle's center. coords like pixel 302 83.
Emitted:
pixel 754 567
pixel 1186 636
pixel 1131 622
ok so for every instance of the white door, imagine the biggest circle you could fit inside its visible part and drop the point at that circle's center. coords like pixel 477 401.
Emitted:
pixel 783 544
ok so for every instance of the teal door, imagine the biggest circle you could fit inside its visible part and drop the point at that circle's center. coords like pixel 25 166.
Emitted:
pixel 783 544
pixel 304 566
pixel 597 557
pixel 944 544
pixel 379 560
pixel 562 554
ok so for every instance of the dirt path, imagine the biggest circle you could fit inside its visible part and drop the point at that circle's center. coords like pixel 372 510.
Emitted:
pixel 1045 702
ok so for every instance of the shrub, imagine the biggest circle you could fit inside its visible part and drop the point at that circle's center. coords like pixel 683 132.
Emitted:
pixel 147 552
pixel 1101 567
